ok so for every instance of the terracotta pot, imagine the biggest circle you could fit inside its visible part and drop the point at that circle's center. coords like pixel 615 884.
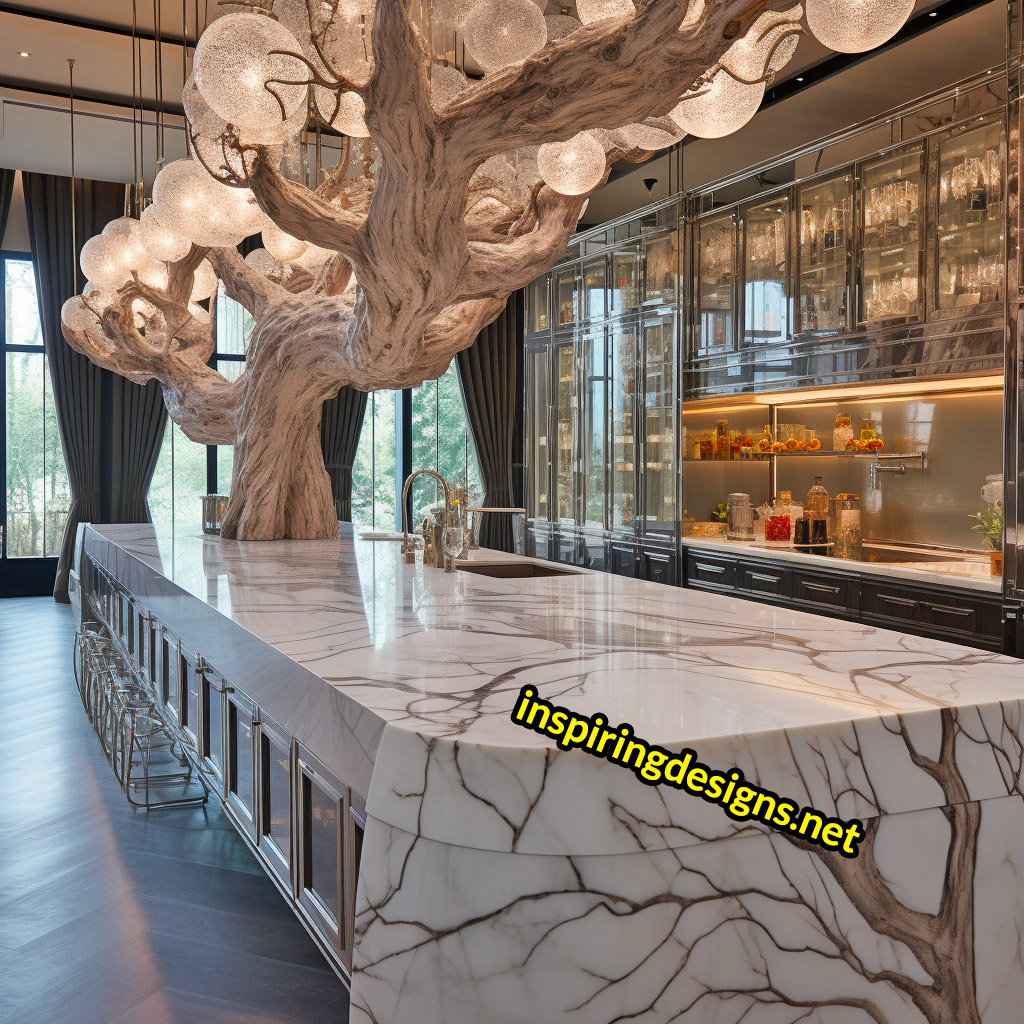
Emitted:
pixel 996 561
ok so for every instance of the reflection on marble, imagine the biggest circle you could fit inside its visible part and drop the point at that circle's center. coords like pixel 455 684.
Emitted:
pixel 505 880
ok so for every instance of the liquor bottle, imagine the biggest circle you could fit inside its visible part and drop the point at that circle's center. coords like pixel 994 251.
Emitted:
pixel 977 200
pixel 816 502
pixel 830 229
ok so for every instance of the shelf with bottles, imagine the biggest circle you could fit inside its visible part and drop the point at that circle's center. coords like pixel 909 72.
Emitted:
pixel 766 284
pixel 566 297
pixel 624 294
pixel 826 222
pixel 661 269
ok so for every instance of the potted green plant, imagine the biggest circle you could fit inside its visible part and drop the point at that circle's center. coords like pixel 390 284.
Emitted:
pixel 990 523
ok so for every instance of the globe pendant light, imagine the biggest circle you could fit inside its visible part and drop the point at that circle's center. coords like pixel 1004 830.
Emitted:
pixel 853 26
pixel 202 209
pixel 719 108
pixel 161 242
pixel 452 12
pixel 282 246
pixel 643 136
pixel 590 11
pixel 752 57
pixel 236 68
pixel 204 284
pixel 344 111
pixel 503 32
pixel 574 167
pixel 560 25
pixel 445 84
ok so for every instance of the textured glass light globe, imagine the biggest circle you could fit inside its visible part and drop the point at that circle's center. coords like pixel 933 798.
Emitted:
pixel 852 26
pixel 262 262
pixel 153 273
pixel 344 111
pixel 102 262
pixel 125 236
pixel 453 12
pixel 202 209
pixel 572 167
pixel 644 136
pixel 590 11
pixel 160 241
pixel 282 246
pixel 718 109
pixel 445 84
pixel 234 66
pixel 205 282
pixel 200 314
pixel 76 315
pixel 313 258
pixel 503 32
pixel 560 25
pixel 752 58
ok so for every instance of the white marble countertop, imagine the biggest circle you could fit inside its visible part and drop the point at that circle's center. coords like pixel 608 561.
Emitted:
pixel 965 574
pixel 430 664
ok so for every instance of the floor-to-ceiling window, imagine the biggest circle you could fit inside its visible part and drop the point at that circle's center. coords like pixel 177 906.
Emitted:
pixel 187 470
pixel 441 440
pixel 36 495
pixel 373 472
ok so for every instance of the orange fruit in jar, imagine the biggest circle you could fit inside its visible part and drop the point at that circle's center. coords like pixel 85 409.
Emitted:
pixel 852 443
pixel 764 445
pixel 777 447
pixel 791 444
pixel 813 445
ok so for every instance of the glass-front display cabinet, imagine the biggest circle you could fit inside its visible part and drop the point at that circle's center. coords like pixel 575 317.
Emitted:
pixel 661 269
pixel 565 432
pixel 659 438
pixel 566 298
pixel 766 283
pixel 892 236
pixel 715 315
pixel 968 268
pixel 594 433
pixel 595 289
pixel 538 314
pixel 625 284
pixel 538 392
pixel 825 251
pixel 622 428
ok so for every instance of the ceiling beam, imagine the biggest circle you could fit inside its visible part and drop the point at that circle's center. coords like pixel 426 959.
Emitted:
pixel 90 24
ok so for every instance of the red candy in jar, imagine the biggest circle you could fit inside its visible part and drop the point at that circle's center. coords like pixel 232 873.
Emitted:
pixel 777 528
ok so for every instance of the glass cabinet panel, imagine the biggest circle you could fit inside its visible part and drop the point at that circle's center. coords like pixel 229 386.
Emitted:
pixel 661 269
pixel 625 292
pixel 595 289
pixel 826 220
pixel 564 419
pixel 540 454
pixel 566 298
pixel 766 272
pixel 594 437
pixel 537 315
pixel 715 325
pixel 622 394
pixel 969 267
pixel 659 427
pixel 891 209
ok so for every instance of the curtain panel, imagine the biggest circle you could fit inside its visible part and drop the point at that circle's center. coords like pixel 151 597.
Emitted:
pixel 341 421
pixel 489 380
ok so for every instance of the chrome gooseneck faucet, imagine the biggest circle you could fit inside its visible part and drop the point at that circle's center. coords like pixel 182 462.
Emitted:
pixel 408 542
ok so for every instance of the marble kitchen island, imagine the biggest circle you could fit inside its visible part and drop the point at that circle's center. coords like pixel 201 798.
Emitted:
pixel 502 879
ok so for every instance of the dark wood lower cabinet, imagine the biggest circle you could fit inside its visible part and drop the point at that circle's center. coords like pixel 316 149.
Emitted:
pixel 623 559
pixel 658 566
pixel 946 614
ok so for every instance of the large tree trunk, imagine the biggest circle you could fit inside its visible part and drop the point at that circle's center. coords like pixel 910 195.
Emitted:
pixel 279 487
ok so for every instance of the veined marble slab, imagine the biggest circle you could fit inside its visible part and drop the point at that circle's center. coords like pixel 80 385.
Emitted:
pixel 423 669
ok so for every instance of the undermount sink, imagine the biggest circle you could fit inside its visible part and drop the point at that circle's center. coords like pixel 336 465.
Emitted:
pixel 513 570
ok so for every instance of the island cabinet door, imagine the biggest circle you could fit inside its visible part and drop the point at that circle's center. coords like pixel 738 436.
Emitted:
pixel 327 853
pixel 189 672
pixel 170 669
pixel 240 763
pixel 276 771
pixel 212 740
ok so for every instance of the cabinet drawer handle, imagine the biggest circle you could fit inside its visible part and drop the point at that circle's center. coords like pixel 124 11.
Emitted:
pixel 903 602
pixel 821 588
pixel 950 611
pixel 764 577
pixel 717 569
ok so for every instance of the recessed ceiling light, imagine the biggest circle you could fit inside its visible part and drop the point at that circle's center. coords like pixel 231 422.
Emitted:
pixel 934 14
pixel 800 79
pixel 24 53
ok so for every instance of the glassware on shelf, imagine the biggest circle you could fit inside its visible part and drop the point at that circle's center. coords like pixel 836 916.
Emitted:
pixel 766 272
pixel 969 257
pixel 842 432
pixel 825 231
pixel 716 278
pixel 625 292
pixel 846 527
pixel 892 190
pixel 868 429
pixel 566 297
pixel 740 517
pixel 661 269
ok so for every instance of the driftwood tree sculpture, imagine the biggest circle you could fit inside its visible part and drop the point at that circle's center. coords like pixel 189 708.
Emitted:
pixel 401 269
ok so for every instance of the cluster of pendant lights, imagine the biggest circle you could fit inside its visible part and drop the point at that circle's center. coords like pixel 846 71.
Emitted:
pixel 243 51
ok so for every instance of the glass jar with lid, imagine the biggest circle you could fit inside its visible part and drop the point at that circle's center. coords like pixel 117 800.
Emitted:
pixel 842 432
pixel 816 502
pixel 846 536
pixel 778 525
pixel 741 517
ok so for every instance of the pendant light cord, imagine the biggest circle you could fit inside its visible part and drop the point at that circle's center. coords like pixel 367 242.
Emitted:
pixel 74 205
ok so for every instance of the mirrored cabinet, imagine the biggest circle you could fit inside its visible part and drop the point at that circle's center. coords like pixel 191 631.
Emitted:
pixel 766 286
pixel 622 425
pixel 715 316
pixel 825 246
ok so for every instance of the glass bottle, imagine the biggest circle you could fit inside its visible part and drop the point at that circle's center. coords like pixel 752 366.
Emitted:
pixel 722 448
pixel 868 431
pixel 741 517
pixel 816 502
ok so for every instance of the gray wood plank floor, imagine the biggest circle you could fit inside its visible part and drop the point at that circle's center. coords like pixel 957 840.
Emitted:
pixel 112 915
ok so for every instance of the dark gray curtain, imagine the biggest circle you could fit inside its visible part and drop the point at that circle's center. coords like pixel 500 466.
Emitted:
pixel 140 417
pixel 487 373
pixel 6 191
pixel 340 424
pixel 78 385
